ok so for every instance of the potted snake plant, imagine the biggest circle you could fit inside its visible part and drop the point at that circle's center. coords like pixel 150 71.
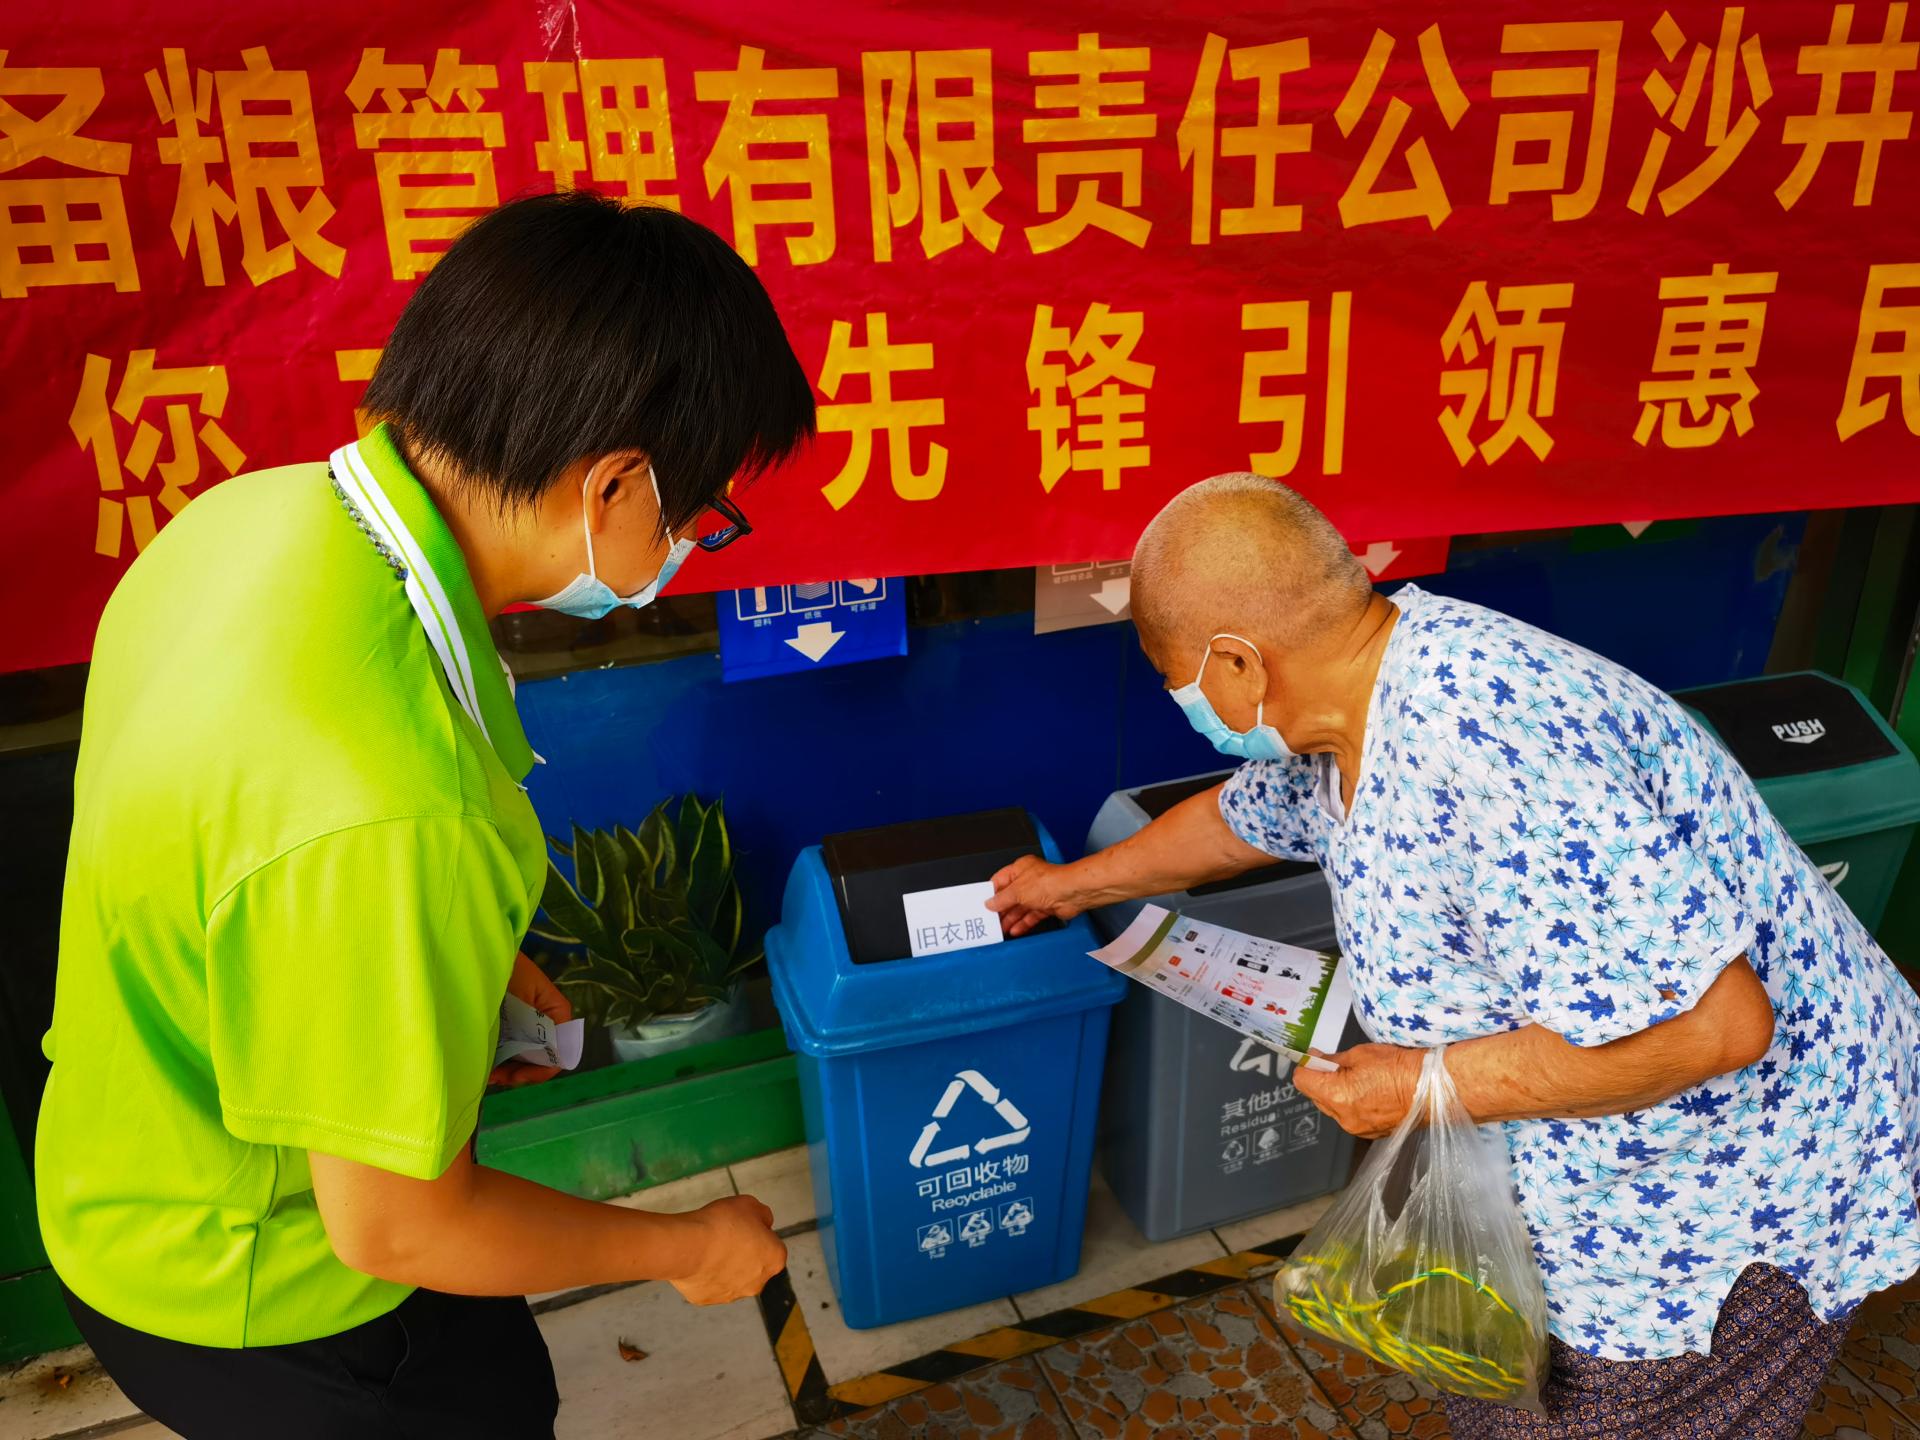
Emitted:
pixel 656 915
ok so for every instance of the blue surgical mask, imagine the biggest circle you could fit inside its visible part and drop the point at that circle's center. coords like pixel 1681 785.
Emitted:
pixel 1262 742
pixel 589 597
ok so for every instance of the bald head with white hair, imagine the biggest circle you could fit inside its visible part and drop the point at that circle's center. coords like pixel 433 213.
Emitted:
pixel 1243 554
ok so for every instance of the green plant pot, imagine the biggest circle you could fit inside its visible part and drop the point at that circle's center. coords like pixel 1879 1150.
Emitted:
pixel 666 1033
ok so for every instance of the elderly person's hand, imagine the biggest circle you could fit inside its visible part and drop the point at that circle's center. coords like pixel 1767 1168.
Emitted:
pixel 1031 890
pixel 1371 1091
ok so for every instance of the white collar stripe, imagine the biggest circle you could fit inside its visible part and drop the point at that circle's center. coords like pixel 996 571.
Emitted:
pixel 424 590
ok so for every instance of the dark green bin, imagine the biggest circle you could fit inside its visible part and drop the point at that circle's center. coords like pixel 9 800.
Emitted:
pixel 1833 772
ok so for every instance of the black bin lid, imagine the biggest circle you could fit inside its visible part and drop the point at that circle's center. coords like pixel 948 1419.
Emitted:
pixel 872 869
pixel 1156 800
pixel 1791 724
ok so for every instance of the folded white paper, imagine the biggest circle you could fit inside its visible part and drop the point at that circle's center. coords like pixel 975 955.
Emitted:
pixel 954 917
pixel 1290 999
pixel 526 1034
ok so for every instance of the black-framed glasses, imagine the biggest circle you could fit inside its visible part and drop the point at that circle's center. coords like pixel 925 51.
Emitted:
pixel 735 527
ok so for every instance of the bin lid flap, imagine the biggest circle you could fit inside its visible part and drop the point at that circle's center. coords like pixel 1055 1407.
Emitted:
pixel 1794 724
pixel 873 869
pixel 1826 763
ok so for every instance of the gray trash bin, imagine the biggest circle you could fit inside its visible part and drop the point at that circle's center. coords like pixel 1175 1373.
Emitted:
pixel 1200 1127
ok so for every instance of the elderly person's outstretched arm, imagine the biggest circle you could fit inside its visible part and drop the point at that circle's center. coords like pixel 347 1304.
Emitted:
pixel 1527 1074
pixel 1187 845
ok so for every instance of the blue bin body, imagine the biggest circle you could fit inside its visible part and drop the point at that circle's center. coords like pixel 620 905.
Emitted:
pixel 950 1104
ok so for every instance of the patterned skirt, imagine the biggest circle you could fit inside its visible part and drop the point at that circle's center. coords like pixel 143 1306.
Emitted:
pixel 1771 1354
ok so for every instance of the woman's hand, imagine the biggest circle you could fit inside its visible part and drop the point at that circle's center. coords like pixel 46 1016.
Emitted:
pixel 737 1254
pixel 1370 1093
pixel 1031 890
pixel 530 983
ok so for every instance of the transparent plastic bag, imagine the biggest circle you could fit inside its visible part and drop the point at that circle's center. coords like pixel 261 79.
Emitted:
pixel 1424 1264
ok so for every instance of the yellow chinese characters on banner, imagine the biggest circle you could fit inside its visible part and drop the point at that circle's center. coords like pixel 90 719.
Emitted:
pixel 748 177
pixel 623 105
pixel 1722 134
pixel 1708 346
pixel 1098 423
pixel 1289 361
pixel 70 228
pixel 356 367
pixel 263 114
pixel 1554 126
pixel 1104 110
pixel 412 122
pixel 944 174
pixel 1364 201
pixel 1248 224
pixel 183 394
pixel 879 359
pixel 1871 128
pixel 1517 374
pixel 1886 354
pixel 1263 142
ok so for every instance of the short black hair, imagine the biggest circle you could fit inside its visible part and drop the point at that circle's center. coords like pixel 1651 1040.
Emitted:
pixel 564 326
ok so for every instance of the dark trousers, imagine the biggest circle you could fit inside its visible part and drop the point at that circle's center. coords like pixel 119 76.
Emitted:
pixel 1770 1356
pixel 436 1365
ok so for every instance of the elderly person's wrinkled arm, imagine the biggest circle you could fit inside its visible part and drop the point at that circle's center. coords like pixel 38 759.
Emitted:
pixel 1533 1074
pixel 1187 846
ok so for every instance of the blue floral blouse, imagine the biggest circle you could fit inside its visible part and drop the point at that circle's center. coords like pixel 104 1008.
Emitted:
pixel 1540 837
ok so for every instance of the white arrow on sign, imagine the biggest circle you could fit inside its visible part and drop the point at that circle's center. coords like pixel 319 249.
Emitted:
pixel 1635 528
pixel 1115 595
pixel 1378 556
pixel 815 640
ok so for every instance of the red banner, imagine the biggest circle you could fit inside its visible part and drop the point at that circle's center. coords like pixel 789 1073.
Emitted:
pixel 1534 266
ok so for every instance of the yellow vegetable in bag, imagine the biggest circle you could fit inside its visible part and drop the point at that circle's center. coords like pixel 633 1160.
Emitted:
pixel 1424 1264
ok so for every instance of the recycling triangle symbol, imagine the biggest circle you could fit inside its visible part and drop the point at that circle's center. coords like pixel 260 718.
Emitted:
pixel 1017 1128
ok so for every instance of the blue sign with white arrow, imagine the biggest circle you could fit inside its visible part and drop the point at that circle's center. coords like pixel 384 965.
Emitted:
pixel 778 629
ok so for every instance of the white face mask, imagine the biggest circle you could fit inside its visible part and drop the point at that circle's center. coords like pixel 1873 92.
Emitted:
pixel 590 597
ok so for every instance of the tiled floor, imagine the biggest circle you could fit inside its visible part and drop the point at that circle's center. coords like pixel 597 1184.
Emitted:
pixel 1113 1256
pixel 1222 1366
pixel 713 1366
pixel 1212 1366
pixel 846 1353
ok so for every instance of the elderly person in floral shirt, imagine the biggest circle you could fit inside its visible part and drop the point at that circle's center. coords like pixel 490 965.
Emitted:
pixel 1706 1068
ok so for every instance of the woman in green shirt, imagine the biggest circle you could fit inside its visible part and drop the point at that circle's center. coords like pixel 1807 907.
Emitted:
pixel 303 857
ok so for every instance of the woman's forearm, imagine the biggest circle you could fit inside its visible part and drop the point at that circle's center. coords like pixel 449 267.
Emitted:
pixel 1532 1073
pixel 476 1231
pixel 1188 845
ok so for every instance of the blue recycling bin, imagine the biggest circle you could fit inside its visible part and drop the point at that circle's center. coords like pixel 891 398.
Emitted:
pixel 950 1099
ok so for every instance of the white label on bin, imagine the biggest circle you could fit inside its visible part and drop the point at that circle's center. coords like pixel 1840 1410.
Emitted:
pixel 954 917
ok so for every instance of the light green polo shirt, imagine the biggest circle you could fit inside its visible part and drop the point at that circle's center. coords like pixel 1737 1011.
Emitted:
pixel 298 878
